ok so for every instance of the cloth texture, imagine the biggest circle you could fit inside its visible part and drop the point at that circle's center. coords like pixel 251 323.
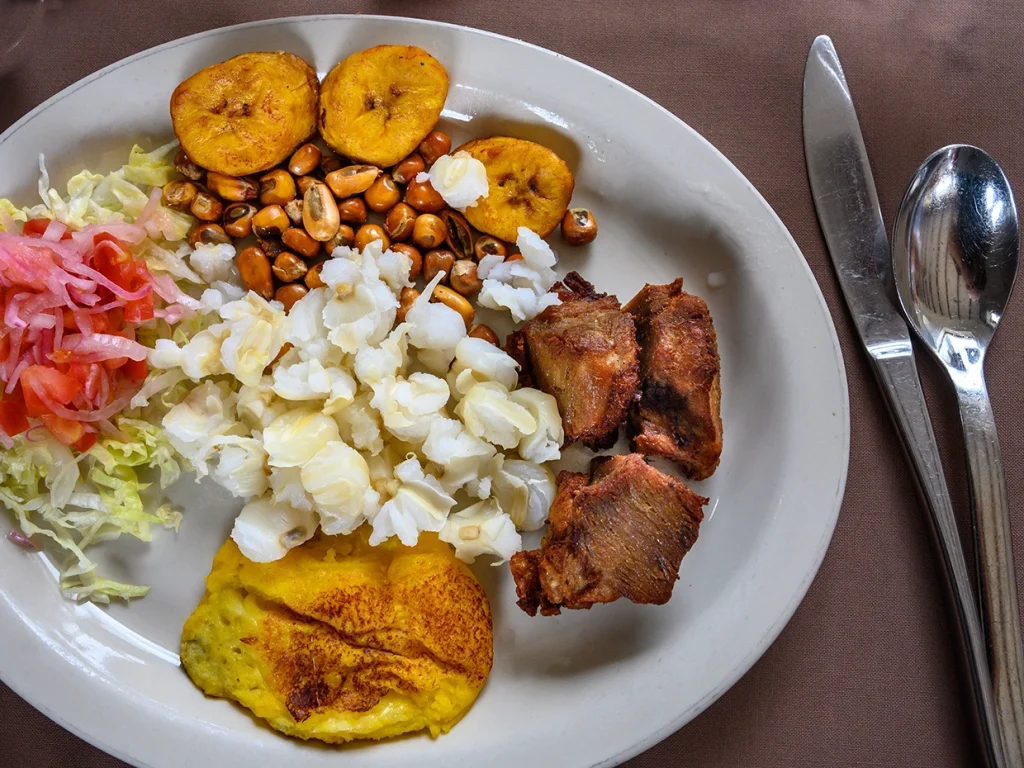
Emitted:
pixel 866 673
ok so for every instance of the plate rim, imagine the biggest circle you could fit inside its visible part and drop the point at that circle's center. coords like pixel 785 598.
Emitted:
pixel 788 610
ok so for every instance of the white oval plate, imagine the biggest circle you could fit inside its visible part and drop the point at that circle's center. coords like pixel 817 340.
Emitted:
pixel 584 689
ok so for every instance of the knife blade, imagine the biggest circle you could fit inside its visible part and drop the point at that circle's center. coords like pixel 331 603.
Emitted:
pixel 847 205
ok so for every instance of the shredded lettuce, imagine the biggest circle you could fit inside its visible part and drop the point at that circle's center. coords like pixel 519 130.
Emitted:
pixel 113 198
pixel 98 497
pixel 152 169
pixel 120 491
pixel 72 503
pixel 160 258
pixel 100 590
pixel 80 191
pixel 93 198
pixel 180 333
pixel 10 215
pixel 147 446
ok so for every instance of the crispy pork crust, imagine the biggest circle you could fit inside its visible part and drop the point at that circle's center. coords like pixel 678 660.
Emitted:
pixel 679 412
pixel 584 353
pixel 622 532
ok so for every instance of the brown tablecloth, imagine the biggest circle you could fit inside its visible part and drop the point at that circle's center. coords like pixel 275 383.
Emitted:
pixel 865 674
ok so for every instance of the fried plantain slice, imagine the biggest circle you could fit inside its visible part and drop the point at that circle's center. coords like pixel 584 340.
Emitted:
pixel 246 114
pixel 379 104
pixel 529 186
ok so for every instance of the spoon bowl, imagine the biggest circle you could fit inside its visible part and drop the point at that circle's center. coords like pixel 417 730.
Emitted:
pixel 955 251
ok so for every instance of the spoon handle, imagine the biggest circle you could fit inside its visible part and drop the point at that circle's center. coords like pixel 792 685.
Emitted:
pixel 898 379
pixel 991 515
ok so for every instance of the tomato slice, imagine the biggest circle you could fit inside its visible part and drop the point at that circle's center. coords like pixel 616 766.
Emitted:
pixel 114 319
pixel 139 311
pixel 13 419
pixel 70 322
pixel 36 228
pixel 100 322
pixel 113 261
pixel 5 347
pixel 137 278
pixel 38 379
pixel 88 375
pixel 80 371
pixel 67 431
pixel 135 370
pixel 85 442
pixel 102 237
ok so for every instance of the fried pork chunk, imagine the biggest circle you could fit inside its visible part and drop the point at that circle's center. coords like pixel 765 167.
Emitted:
pixel 622 532
pixel 679 412
pixel 584 353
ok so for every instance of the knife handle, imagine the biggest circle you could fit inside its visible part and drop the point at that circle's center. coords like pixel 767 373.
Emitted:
pixel 991 516
pixel 898 379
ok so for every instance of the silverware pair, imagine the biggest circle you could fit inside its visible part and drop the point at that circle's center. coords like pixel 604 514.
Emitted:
pixel 953 263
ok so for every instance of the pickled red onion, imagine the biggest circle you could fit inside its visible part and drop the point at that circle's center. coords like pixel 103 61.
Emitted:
pixel 54 231
pixel 150 208
pixel 102 394
pixel 165 287
pixel 126 233
pixel 59 302
pixel 98 347
pixel 110 285
pixel 106 412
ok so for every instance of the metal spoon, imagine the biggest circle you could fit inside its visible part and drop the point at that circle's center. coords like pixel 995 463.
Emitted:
pixel 955 249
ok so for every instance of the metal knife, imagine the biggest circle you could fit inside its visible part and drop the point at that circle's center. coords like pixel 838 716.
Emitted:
pixel 847 205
